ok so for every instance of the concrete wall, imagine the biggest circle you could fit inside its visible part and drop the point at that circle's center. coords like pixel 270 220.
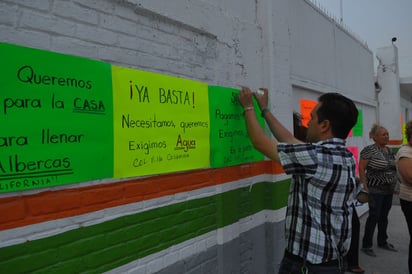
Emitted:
pixel 227 220
pixel 325 57
pixel 389 96
pixel 406 106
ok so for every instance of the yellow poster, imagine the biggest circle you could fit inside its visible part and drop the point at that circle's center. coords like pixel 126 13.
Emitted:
pixel 161 123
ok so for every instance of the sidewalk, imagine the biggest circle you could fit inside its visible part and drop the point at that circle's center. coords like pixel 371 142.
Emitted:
pixel 387 262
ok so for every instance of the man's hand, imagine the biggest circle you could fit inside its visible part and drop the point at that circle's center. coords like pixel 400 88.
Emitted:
pixel 245 97
pixel 262 99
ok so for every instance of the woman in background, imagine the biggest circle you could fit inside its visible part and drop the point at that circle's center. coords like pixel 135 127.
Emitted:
pixel 404 165
pixel 377 172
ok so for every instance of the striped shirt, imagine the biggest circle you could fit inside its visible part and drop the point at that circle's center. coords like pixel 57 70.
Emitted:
pixel 319 212
pixel 381 169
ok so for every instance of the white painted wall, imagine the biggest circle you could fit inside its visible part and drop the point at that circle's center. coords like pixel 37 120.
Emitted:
pixel 278 44
pixel 325 57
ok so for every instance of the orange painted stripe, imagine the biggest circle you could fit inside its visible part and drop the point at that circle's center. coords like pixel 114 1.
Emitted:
pixel 50 205
pixel 395 142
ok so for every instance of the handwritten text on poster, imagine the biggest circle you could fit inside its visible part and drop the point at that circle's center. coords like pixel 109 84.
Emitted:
pixel 230 143
pixel 161 123
pixel 55 119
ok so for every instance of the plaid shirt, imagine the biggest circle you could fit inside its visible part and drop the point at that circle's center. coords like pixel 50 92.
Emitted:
pixel 319 212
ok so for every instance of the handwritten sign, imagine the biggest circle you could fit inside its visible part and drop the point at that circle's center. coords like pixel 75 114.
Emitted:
pixel 230 144
pixel 161 123
pixel 306 107
pixel 358 128
pixel 404 140
pixel 403 130
pixel 355 152
pixel 55 117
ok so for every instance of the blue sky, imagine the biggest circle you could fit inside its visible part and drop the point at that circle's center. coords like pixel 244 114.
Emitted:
pixel 376 22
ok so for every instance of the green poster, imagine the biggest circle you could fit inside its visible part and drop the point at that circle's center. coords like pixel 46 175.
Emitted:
pixel 357 129
pixel 229 141
pixel 56 119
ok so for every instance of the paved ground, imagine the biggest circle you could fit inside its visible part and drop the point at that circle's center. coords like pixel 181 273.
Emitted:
pixel 388 262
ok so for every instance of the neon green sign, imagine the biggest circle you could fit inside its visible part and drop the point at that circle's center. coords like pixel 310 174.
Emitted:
pixel 55 119
pixel 229 141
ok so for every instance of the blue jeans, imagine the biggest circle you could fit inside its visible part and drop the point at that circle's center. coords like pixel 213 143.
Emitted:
pixel 379 207
pixel 288 266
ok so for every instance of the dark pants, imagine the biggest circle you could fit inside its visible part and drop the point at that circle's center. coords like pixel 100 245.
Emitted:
pixel 352 258
pixel 407 211
pixel 379 207
pixel 295 266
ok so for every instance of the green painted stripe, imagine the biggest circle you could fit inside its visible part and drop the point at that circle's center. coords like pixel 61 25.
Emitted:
pixel 101 247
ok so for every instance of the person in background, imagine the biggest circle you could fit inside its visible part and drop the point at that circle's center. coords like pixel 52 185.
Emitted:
pixel 404 167
pixel 319 211
pixel 377 173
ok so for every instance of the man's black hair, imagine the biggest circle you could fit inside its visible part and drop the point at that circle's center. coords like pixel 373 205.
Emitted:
pixel 340 111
